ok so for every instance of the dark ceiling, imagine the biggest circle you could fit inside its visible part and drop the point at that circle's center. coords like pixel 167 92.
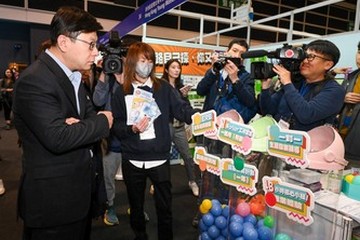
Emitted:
pixel 331 19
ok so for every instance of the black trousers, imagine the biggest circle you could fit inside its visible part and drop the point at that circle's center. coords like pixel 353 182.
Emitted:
pixel 79 230
pixel 135 181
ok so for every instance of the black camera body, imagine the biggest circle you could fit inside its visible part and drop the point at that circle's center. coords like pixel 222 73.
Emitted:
pixel 289 56
pixel 221 62
pixel 112 54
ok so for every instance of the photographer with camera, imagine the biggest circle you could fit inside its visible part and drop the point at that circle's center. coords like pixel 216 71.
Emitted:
pixel 227 85
pixel 310 101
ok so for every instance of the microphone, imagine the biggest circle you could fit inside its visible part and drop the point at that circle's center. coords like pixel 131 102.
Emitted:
pixel 253 54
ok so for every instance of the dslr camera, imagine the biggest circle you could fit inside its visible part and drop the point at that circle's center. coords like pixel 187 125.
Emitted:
pixel 289 56
pixel 112 53
pixel 222 61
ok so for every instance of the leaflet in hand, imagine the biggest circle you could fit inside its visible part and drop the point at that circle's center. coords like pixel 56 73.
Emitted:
pixel 142 104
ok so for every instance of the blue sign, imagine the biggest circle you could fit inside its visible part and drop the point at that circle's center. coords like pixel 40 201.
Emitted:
pixel 145 13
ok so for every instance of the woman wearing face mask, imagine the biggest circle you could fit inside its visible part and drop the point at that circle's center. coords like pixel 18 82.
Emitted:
pixel 146 142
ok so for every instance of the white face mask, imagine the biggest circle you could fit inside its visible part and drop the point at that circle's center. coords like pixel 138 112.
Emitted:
pixel 143 69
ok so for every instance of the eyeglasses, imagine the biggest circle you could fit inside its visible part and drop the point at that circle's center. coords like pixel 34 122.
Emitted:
pixel 311 57
pixel 92 45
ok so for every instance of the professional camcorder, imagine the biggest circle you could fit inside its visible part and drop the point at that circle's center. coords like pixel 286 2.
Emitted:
pixel 112 54
pixel 289 56
pixel 221 62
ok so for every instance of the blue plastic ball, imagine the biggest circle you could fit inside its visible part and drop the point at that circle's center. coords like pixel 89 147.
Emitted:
pixel 251 218
pixel 225 211
pixel 265 233
pixel 250 234
pixel 220 238
pixel 213 232
pixel 225 232
pixel 236 218
pixel 260 223
pixel 215 202
pixel 282 236
pixel 220 222
pixel 248 225
pixel 236 229
pixel 239 238
pixel 208 219
pixel 205 236
pixel 202 226
pixel 216 210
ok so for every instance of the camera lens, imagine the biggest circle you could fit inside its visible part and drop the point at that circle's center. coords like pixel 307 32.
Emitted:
pixel 112 64
pixel 217 66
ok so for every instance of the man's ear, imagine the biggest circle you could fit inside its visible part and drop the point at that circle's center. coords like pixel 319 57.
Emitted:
pixel 329 65
pixel 63 42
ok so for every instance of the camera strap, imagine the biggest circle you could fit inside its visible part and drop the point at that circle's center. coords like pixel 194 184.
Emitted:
pixel 223 87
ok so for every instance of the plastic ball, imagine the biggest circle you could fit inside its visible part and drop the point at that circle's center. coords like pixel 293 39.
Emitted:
pixel 235 229
pixel 220 222
pixel 215 202
pixel 282 236
pixel 349 178
pixel 236 218
pixel 260 223
pixel 356 180
pixel 250 234
pixel 216 210
pixel 257 208
pixel 239 163
pixel 220 238
pixel 251 218
pixel 248 225
pixel 205 236
pixel 225 211
pixel 208 219
pixel 225 232
pixel 206 203
pixel 265 233
pixel 213 231
pixel 243 209
pixel 202 226
pixel 269 221
pixel 203 210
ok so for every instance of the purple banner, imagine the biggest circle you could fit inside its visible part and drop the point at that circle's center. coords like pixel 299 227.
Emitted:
pixel 145 13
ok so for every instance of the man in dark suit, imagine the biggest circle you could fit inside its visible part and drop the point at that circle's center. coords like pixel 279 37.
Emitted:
pixel 58 128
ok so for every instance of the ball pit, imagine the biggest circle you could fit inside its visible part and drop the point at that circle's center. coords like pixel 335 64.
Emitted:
pixel 237 223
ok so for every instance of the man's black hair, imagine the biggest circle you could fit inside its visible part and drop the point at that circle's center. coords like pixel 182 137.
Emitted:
pixel 241 42
pixel 325 47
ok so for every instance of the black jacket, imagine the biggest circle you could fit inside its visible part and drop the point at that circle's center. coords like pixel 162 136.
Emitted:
pixel 57 162
pixel 133 148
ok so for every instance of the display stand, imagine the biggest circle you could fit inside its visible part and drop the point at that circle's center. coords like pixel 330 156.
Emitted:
pixel 250 189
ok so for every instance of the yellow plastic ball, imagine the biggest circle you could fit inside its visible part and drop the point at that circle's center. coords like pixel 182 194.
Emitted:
pixel 203 210
pixel 349 178
pixel 206 203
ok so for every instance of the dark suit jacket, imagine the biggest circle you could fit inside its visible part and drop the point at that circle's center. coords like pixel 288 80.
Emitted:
pixel 56 182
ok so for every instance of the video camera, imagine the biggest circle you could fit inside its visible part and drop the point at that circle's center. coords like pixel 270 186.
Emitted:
pixel 222 60
pixel 289 56
pixel 112 54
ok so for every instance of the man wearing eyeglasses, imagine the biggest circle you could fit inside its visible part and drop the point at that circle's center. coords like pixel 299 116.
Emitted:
pixel 312 101
pixel 58 127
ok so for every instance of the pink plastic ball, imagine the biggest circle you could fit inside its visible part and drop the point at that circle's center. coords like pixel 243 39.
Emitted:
pixel 243 209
